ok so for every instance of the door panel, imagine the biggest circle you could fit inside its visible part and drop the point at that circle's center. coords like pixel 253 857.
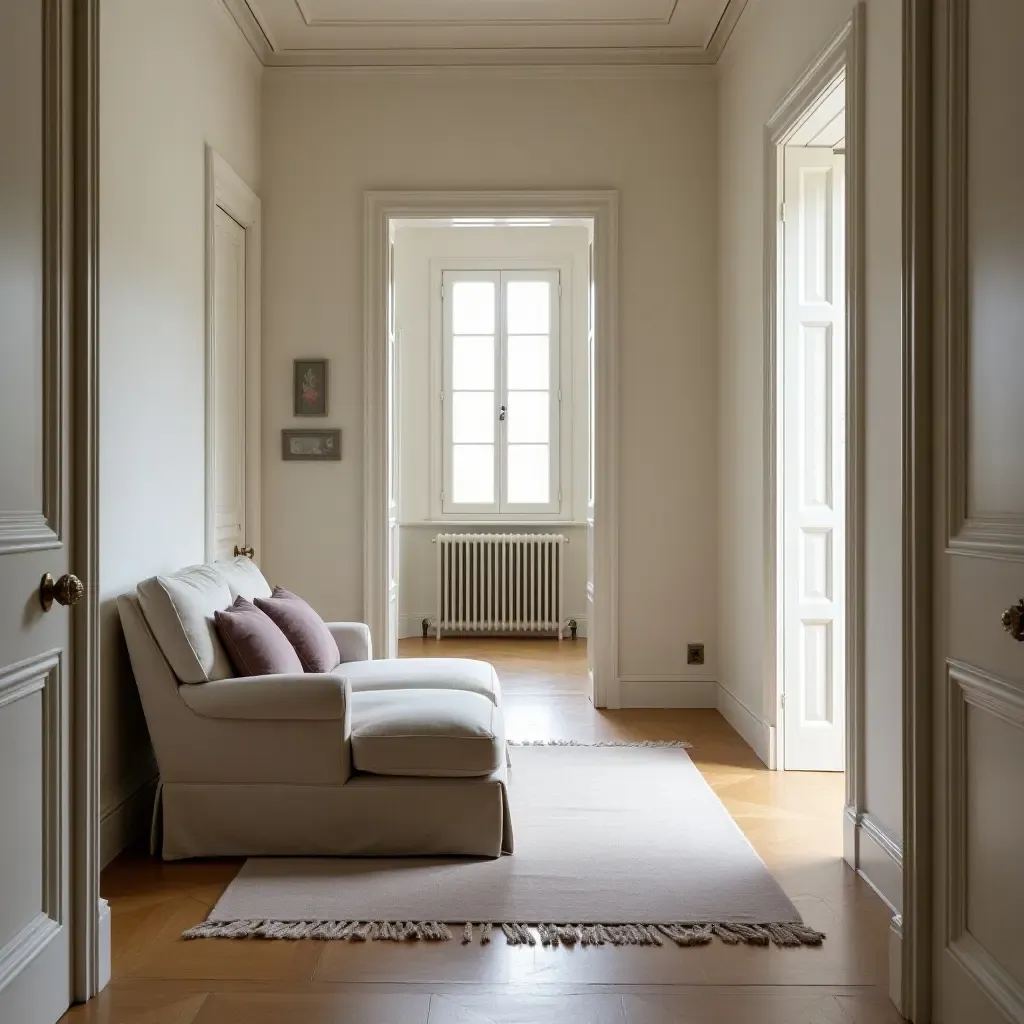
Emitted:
pixel 229 384
pixel 814 500
pixel 34 499
pixel 979 739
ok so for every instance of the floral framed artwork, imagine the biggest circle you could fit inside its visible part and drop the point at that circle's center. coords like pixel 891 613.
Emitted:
pixel 311 445
pixel 310 387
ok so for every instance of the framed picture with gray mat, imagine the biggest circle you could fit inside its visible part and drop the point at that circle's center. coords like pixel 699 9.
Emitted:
pixel 311 445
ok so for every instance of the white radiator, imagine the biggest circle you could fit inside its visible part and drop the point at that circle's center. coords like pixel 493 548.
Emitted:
pixel 500 583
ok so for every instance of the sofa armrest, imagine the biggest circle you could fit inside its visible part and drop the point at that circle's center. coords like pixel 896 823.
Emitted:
pixel 292 698
pixel 353 640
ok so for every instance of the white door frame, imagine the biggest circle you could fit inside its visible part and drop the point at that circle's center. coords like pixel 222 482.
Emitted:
pixel 75 88
pixel 224 188
pixel 602 207
pixel 844 52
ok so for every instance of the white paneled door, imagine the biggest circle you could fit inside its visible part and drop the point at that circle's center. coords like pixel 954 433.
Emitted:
pixel 978 773
pixel 229 348
pixel 813 470
pixel 35 506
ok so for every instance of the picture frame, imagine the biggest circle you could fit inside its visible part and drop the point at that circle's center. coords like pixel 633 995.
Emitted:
pixel 311 445
pixel 309 387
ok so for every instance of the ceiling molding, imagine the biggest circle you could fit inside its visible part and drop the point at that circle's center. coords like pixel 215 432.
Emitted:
pixel 314 22
pixel 724 29
pixel 248 24
pixel 559 60
pixel 527 72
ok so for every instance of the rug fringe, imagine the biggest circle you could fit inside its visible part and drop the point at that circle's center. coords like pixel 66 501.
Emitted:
pixel 684 744
pixel 787 935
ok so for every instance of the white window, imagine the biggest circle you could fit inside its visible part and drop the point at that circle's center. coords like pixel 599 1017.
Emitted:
pixel 501 397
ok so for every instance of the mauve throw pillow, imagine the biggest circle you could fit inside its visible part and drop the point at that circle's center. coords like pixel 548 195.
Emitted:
pixel 254 642
pixel 308 633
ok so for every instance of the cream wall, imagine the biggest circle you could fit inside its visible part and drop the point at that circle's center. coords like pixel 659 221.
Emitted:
pixel 417 250
pixel 175 76
pixel 651 135
pixel 774 42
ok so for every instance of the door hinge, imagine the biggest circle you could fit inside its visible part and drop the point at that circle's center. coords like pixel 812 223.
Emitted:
pixel 442 396
pixel 782 212
pixel 559 394
pixel 783 698
pixel 442 291
pixel 559 289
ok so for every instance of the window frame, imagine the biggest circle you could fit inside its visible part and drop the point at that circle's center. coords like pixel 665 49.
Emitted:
pixel 502 272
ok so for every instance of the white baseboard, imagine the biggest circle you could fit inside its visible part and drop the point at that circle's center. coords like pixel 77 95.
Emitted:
pixel 104 946
pixel 896 962
pixel 877 856
pixel 412 626
pixel 126 822
pixel 666 692
pixel 755 731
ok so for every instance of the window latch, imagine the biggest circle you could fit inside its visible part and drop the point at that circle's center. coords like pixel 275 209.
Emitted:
pixel 501 415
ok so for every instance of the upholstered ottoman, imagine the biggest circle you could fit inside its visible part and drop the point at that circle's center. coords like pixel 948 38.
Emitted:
pixel 426 734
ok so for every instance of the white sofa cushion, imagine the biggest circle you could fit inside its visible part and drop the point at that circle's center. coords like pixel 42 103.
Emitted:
pixel 179 609
pixel 426 733
pixel 244 578
pixel 423 674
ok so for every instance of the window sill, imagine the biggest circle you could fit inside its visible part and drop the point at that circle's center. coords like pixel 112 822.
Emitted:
pixel 428 524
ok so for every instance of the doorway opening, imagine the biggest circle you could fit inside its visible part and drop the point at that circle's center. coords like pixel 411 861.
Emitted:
pixel 491 348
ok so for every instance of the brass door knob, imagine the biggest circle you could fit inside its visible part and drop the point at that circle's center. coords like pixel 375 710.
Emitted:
pixel 248 552
pixel 1013 621
pixel 67 590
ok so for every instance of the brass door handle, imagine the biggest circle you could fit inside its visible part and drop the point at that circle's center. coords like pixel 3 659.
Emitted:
pixel 1013 621
pixel 248 552
pixel 67 590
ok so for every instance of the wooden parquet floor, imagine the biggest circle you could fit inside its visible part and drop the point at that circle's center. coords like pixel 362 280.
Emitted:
pixel 793 819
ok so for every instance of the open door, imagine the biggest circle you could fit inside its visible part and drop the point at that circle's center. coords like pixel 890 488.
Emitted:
pixel 978 743
pixel 229 396
pixel 813 372
pixel 592 467
pixel 393 413
pixel 35 515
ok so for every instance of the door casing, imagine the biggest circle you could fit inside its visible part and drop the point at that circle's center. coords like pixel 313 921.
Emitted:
pixel 381 208
pixel 225 189
pixel 844 53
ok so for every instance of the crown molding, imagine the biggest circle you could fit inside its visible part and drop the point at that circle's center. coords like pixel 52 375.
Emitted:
pixel 561 59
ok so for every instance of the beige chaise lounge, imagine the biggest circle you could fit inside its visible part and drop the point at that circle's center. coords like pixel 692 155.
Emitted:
pixel 377 758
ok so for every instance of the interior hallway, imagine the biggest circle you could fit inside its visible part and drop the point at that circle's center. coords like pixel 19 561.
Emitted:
pixel 793 819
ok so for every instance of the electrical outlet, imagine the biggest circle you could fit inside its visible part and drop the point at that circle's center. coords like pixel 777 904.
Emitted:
pixel 694 654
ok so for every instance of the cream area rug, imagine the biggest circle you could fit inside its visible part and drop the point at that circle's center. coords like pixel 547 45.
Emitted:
pixel 616 844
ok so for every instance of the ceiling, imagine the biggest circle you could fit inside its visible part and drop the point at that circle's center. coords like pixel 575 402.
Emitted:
pixel 410 33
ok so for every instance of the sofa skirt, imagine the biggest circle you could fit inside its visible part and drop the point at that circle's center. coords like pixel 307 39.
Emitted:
pixel 369 816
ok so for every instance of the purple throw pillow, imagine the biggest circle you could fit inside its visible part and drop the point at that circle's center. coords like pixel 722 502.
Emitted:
pixel 308 633
pixel 255 644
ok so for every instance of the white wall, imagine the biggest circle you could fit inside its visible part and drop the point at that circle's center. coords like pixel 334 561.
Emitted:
pixel 774 42
pixel 330 136
pixel 175 76
pixel 417 250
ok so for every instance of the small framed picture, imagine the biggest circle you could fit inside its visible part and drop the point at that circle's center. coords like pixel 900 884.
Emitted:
pixel 311 445
pixel 310 387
